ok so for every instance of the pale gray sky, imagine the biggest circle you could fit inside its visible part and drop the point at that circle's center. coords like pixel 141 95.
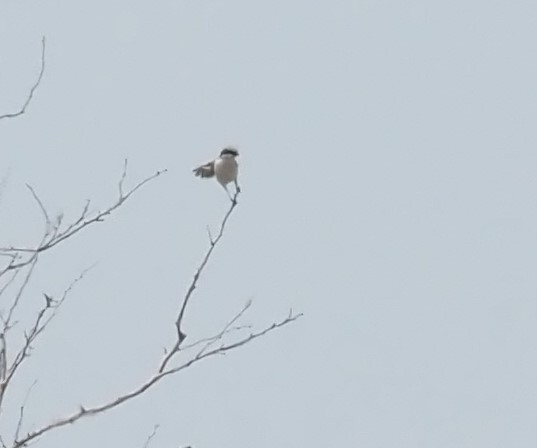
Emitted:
pixel 388 159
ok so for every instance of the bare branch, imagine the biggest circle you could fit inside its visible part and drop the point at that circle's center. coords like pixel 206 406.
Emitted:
pixel 178 323
pixel 212 244
pixel 43 318
pixel 34 87
pixel 149 383
pixel 21 259
pixel 58 235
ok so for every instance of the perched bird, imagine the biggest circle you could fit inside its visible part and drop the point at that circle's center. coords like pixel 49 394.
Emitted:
pixel 224 167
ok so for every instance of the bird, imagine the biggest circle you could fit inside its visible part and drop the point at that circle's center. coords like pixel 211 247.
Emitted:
pixel 224 167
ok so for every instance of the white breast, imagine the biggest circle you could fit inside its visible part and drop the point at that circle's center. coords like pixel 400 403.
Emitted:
pixel 226 169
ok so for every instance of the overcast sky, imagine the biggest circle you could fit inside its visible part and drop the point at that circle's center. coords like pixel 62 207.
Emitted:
pixel 388 165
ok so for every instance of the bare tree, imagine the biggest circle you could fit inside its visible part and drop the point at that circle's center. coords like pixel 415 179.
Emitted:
pixel 17 266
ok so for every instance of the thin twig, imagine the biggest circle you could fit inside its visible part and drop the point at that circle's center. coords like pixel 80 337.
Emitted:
pixel 148 441
pixel 123 176
pixel 24 284
pixel 34 87
pixel 216 337
pixel 3 357
pixel 41 207
pixel 21 411
pixel 226 329
pixel 9 282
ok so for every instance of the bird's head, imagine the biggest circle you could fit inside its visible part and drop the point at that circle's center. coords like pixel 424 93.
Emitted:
pixel 229 152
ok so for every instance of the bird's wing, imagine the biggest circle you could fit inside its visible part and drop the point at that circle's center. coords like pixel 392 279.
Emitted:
pixel 206 170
